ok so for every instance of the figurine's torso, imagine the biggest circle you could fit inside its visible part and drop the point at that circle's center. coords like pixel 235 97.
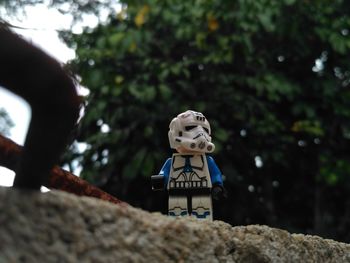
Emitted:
pixel 189 172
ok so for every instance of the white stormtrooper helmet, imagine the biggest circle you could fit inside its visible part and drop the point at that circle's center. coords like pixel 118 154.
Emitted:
pixel 191 130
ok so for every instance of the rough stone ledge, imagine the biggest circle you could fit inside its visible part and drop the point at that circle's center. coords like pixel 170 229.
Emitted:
pixel 60 227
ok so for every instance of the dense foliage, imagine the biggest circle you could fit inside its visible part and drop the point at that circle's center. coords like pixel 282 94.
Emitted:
pixel 272 77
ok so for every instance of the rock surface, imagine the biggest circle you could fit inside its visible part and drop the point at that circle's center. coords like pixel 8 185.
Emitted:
pixel 59 227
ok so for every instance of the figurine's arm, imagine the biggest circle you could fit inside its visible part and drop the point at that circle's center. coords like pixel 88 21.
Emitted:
pixel 218 191
pixel 215 174
pixel 159 182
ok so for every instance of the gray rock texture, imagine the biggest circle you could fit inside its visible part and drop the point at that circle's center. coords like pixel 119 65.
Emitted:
pixel 59 227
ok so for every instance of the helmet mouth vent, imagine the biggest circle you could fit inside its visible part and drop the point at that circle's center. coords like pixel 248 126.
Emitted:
pixel 201 145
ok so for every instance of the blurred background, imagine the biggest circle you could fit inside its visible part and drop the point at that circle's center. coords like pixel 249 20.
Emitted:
pixel 271 76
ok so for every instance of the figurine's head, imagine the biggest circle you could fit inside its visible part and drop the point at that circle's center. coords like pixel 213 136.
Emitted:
pixel 190 132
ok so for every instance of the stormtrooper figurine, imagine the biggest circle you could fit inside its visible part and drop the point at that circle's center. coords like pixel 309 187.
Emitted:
pixel 190 176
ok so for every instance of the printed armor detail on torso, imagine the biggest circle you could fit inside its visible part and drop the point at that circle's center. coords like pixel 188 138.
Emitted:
pixel 189 172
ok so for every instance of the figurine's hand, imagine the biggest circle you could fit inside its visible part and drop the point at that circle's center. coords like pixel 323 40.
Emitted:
pixel 218 192
pixel 157 182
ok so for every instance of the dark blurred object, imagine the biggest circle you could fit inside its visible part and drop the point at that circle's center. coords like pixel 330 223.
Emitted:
pixel 60 179
pixel 39 79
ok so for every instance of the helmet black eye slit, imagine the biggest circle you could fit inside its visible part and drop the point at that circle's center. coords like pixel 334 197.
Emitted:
pixel 190 127
pixel 206 129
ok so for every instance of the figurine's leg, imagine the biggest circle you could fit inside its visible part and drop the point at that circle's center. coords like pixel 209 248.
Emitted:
pixel 202 207
pixel 178 206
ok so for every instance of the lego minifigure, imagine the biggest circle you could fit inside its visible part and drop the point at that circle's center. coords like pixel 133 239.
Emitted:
pixel 190 176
